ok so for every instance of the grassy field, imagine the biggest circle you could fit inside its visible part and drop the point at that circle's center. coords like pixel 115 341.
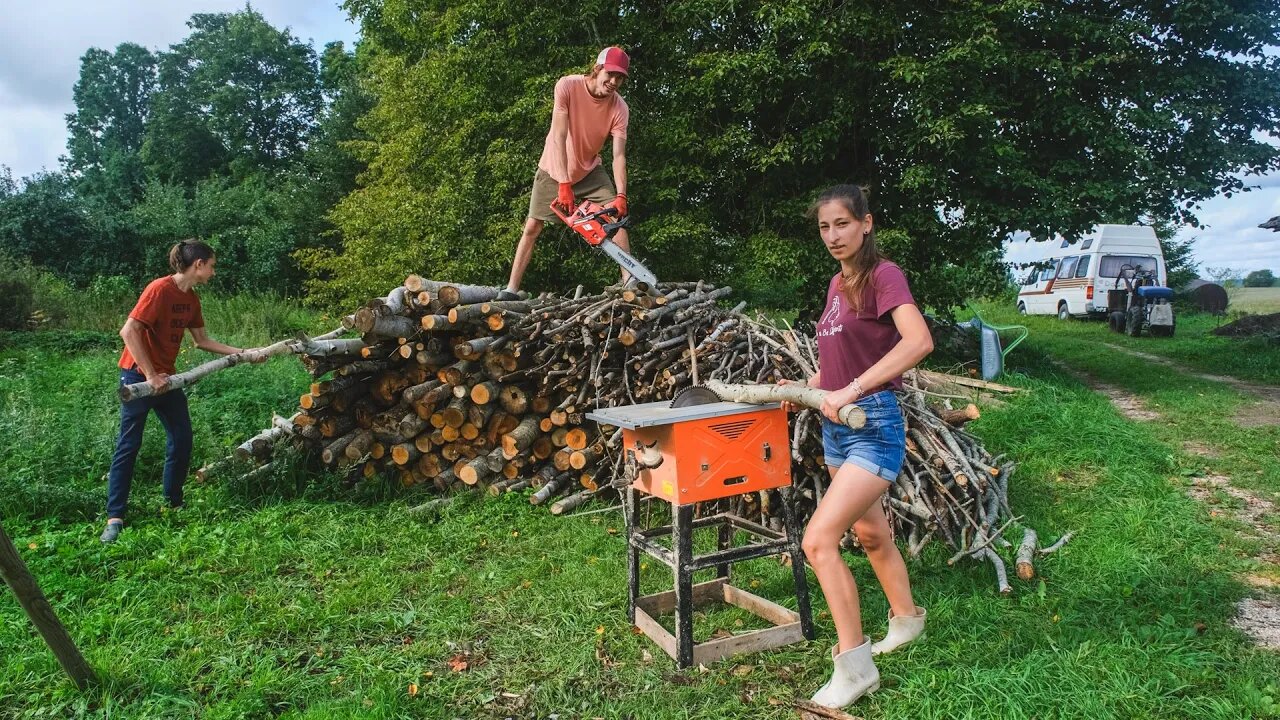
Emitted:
pixel 333 602
pixel 1254 300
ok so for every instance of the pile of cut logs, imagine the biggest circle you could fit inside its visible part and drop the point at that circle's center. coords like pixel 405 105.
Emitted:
pixel 448 388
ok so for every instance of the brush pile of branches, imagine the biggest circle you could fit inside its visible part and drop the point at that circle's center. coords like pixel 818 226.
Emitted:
pixel 447 388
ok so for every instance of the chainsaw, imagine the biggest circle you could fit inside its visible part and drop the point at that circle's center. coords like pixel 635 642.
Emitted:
pixel 597 225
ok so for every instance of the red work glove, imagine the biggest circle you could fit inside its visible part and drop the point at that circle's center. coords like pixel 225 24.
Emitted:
pixel 565 196
pixel 620 203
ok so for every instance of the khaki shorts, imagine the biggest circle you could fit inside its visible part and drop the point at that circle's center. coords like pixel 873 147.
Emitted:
pixel 596 186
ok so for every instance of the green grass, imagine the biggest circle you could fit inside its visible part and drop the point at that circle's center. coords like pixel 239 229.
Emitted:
pixel 332 604
pixel 1255 300
pixel 1193 344
pixel 1193 409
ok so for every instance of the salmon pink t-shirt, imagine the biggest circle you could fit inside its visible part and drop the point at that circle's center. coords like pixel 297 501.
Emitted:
pixel 591 121
pixel 849 343
pixel 166 311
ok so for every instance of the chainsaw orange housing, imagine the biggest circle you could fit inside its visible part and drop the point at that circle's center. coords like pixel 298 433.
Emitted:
pixel 715 457
pixel 584 220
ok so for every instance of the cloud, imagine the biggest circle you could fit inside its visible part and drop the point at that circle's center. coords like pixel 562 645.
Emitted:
pixel 1232 237
pixel 41 44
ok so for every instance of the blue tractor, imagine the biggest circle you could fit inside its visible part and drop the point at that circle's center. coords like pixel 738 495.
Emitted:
pixel 1139 305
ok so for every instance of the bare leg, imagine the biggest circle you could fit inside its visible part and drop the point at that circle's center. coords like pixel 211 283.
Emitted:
pixel 524 252
pixel 853 490
pixel 622 240
pixel 876 537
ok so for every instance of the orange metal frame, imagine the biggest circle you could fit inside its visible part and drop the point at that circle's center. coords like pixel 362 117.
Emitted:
pixel 716 457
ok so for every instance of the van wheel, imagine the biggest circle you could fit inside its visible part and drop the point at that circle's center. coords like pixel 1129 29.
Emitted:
pixel 1116 321
pixel 1063 312
pixel 1022 308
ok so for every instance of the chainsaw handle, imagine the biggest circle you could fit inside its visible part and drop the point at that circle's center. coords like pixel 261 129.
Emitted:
pixel 556 208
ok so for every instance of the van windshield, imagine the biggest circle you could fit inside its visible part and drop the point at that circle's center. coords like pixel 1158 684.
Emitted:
pixel 1111 264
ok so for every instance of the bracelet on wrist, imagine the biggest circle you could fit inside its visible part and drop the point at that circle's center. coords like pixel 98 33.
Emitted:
pixel 856 386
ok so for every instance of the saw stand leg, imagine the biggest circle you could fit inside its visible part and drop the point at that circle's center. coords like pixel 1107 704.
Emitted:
pixel 788 626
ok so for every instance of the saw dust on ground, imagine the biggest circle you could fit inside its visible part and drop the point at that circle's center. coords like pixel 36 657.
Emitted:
pixel 1254 512
pixel 1266 411
pixel 1204 450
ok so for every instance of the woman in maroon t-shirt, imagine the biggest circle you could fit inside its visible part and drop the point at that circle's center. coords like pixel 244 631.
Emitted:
pixel 869 333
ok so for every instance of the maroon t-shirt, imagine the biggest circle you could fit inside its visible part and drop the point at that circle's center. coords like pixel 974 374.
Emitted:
pixel 849 342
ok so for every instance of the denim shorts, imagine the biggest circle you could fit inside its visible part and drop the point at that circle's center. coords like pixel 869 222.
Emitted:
pixel 878 447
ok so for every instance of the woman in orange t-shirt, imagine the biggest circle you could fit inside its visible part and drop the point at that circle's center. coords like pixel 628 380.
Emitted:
pixel 166 310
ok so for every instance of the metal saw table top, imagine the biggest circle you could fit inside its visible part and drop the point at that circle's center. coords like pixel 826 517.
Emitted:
pixel 661 413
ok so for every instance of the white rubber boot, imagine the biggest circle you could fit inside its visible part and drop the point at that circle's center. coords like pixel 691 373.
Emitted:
pixel 902 630
pixel 833 662
pixel 855 675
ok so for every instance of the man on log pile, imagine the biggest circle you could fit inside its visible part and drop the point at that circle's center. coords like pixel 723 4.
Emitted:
pixel 587 111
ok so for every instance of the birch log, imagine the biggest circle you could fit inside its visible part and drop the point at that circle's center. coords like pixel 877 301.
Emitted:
pixel 181 380
pixel 795 393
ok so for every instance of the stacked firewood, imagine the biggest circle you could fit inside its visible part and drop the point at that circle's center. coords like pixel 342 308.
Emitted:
pixel 449 389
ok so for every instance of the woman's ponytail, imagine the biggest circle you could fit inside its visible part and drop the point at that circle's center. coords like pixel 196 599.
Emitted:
pixel 184 254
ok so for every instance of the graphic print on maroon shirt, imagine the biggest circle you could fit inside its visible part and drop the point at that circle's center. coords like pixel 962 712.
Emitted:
pixel 850 342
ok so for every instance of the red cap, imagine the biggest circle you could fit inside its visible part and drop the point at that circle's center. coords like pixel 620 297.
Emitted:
pixel 614 60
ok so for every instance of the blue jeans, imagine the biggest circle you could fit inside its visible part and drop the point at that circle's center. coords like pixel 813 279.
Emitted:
pixel 171 407
pixel 879 447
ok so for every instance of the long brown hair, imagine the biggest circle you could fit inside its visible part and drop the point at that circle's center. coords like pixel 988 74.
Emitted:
pixel 854 199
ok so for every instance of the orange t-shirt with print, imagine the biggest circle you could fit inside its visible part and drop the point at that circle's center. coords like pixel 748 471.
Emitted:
pixel 165 311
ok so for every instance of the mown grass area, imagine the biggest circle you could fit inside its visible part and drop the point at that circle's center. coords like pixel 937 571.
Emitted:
pixel 1193 410
pixel 336 603
pixel 1193 344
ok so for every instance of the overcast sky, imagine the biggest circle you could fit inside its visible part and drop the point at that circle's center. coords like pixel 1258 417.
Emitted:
pixel 41 44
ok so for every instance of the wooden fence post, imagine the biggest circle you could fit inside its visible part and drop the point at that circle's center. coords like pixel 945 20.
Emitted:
pixel 18 577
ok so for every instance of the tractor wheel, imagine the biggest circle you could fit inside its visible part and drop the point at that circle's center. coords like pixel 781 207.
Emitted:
pixel 1063 312
pixel 1133 322
pixel 1116 321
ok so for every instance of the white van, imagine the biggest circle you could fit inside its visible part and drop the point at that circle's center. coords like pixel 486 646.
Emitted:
pixel 1076 278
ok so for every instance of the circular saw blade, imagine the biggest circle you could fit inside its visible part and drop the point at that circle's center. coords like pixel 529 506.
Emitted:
pixel 694 395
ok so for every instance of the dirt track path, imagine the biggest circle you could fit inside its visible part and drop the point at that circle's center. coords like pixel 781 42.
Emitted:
pixel 1258 616
pixel 1266 411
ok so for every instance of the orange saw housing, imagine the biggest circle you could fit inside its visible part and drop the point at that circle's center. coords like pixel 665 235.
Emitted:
pixel 715 457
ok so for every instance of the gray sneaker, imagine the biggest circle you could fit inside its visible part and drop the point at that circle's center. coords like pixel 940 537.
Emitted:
pixel 112 532
pixel 508 295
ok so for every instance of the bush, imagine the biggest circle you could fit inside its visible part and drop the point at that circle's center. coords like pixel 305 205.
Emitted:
pixel 31 296
pixel 1260 278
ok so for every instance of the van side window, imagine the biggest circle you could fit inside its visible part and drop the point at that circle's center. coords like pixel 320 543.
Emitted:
pixel 1088 243
pixel 1068 267
pixel 1030 279
pixel 1082 270
pixel 1049 271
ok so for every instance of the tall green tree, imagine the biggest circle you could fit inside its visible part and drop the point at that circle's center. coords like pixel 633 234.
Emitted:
pixel 105 134
pixel 236 95
pixel 968 121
